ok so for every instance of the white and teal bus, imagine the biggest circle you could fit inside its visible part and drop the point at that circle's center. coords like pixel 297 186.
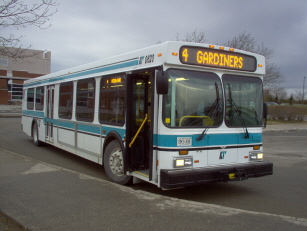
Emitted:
pixel 175 114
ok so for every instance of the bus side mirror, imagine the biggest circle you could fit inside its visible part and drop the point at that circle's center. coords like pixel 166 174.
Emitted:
pixel 265 114
pixel 162 82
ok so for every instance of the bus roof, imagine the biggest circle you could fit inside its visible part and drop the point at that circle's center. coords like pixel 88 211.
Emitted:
pixel 168 53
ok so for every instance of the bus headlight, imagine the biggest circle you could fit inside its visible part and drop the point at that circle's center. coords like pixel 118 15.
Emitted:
pixel 183 162
pixel 256 155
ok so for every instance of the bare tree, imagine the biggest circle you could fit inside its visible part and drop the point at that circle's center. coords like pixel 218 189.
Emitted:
pixel 244 41
pixel 298 96
pixel 196 37
pixel 18 14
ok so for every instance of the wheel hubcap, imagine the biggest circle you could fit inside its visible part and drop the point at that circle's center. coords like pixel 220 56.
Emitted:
pixel 116 162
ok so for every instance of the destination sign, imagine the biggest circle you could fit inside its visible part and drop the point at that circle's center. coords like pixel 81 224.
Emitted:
pixel 217 58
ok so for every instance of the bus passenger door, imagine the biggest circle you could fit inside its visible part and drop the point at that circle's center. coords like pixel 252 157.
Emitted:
pixel 49 114
pixel 138 123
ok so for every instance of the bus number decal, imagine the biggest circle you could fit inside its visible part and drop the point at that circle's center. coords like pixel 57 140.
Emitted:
pixel 149 58
pixel 184 141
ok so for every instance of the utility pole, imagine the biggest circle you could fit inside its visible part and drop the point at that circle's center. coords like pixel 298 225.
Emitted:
pixel 303 90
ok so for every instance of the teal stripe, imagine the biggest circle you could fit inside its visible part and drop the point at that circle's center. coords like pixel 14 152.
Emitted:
pixel 120 131
pixel 33 113
pixel 88 72
pixel 65 124
pixel 88 128
pixel 209 140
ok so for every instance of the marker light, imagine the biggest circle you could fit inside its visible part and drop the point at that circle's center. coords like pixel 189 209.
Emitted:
pixel 175 53
pixel 259 65
pixel 222 48
pixel 211 46
pixel 160 54
pixel 231 49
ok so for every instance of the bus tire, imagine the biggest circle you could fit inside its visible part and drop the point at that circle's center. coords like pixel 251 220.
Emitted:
pixel 35 134
pixel 114 164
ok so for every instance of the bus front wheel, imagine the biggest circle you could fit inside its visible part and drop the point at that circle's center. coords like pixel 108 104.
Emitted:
pixel 114 164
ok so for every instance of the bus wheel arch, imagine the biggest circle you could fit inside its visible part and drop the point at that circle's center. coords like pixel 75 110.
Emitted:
pixel 114 158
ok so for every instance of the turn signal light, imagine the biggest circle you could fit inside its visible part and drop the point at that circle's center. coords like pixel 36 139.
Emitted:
pixel 183 152
pixel 256 148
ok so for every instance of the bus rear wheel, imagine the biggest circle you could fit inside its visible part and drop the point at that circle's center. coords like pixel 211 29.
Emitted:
pixel 35 133
pixel 114 164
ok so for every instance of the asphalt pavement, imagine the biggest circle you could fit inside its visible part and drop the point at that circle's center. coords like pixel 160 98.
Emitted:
pixel 35 195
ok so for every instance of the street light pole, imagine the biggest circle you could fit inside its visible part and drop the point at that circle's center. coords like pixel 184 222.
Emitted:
pixel 303 90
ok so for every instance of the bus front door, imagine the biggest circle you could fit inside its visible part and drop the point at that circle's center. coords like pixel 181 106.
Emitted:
pixel 138 123
pixel 49 114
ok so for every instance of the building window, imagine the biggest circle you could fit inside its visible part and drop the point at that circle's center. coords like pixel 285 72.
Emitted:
pixel 66 100
pixel 39 98
pixel 30 99
pixel 112 100
pixel 16 90
pixel 4 62
pixel 85 100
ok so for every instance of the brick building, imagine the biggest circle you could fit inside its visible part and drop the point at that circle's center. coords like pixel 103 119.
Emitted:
pixel 14 72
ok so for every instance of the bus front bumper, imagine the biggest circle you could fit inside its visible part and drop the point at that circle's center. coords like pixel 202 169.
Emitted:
pixel 177 178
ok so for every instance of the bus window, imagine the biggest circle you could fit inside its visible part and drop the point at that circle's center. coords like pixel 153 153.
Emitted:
pixel 194 99
pixel 66 99
pixel 30 99
pixel 112 100
pixel 242 100
pixel 85 100
pixel 39 98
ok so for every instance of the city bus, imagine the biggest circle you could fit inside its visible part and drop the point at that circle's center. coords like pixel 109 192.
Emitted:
pixel 175 114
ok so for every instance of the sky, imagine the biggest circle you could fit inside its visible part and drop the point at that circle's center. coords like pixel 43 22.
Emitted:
pixel 86 31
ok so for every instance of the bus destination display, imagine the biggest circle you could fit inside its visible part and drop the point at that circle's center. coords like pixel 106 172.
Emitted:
pixel 217 58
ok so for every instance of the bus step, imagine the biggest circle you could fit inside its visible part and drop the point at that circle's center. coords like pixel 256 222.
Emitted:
pixel 141 174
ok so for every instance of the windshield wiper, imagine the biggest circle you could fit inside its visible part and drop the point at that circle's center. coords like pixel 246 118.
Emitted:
pixel 214 109
pixel 234 106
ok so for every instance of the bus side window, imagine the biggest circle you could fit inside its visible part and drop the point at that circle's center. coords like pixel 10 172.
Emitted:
pixel 85 100
pixel 39 98
pixel 65 101
pixel 30 99
pixel 112 100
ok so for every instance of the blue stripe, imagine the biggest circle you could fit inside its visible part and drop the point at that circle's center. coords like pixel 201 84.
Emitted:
pixel 166 141
pixel 88 72
pixel 64 124
pixel 209 140
pixel 94 129
pixel 33 113
pixel 88 128
pixel 120 131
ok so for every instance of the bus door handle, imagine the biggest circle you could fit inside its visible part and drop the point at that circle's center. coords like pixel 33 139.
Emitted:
pixel 137 133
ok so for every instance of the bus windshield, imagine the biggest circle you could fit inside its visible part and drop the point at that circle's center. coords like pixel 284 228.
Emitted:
pixel 194 99
pixel 243 101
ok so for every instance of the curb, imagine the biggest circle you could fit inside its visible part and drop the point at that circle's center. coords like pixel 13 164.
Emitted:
pixel 8 223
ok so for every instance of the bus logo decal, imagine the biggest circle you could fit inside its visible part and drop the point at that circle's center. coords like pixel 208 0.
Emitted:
pixel 222 155
pixel 141 60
